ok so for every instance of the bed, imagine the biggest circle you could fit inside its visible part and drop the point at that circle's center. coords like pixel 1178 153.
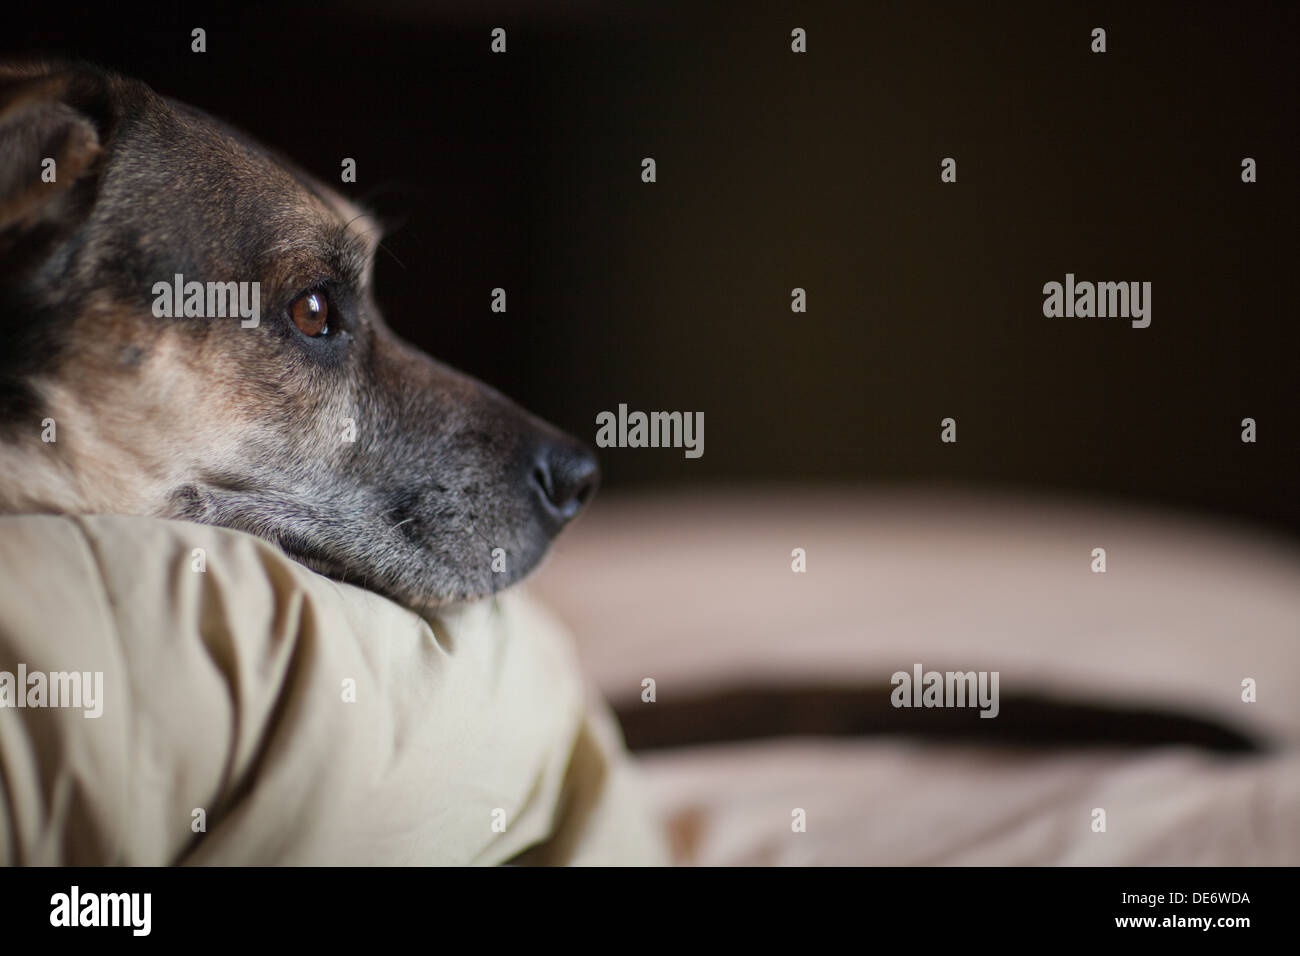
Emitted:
pixel 251 711
pixel 697 591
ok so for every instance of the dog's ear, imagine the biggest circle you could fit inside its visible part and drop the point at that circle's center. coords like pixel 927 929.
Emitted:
pixel 51 129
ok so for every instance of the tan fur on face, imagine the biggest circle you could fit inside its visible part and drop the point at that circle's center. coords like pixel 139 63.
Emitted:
pixel 143 406
pixel 202 419
pixel 123 443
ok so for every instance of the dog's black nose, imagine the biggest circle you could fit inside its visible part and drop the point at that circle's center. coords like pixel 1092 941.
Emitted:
pixel 566 476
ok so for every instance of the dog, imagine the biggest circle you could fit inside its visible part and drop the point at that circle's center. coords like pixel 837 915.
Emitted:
pixel 312 425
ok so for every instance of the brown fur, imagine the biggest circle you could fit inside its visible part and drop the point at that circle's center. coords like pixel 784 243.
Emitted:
pixel 203 419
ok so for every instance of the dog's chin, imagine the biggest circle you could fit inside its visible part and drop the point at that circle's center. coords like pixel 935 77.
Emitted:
pixel 415 581
pixel 428 564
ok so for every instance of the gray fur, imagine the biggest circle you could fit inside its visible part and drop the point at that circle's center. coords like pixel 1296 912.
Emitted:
pixel 204 420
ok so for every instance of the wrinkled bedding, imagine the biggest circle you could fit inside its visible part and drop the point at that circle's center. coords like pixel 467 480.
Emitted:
pixel 253 712
pixel 309 722
pixel 697 592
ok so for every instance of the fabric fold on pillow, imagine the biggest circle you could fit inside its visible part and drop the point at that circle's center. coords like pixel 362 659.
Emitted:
pixel 254 712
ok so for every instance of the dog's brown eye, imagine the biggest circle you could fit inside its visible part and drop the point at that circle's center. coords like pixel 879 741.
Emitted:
pixel 311 313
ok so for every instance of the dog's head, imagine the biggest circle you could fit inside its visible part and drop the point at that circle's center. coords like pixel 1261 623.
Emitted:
pixel 316 428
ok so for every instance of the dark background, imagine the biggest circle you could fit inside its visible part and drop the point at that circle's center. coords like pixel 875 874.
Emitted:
pixel 818 170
